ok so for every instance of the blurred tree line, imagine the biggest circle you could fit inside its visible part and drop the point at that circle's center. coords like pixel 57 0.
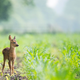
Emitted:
pixel 38 19
pixel 6 8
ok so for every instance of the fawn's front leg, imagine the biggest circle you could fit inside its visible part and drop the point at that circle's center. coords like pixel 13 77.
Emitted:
pixel 10 67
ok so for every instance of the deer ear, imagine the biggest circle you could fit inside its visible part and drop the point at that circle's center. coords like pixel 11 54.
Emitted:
pixel 10 37
pixel 14 37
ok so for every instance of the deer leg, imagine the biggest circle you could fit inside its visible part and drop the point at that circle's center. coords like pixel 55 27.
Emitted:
pixel 10 67
pixel 3 65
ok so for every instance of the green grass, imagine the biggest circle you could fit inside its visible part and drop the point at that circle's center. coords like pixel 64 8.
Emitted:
pixel 47 56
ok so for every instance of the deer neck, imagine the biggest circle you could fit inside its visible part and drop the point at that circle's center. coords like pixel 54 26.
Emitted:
pixel 12 49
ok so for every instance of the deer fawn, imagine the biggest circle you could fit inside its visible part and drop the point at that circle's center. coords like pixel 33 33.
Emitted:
pixel 10 54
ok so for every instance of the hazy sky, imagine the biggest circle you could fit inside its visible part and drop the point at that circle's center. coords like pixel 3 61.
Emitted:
pixel 57 5
pixel 52 3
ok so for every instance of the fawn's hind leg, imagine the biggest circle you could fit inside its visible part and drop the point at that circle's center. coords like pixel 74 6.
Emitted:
pixel 9 63
pixel 3 65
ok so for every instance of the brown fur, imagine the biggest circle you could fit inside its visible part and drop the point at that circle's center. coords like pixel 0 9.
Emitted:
pixel 10 54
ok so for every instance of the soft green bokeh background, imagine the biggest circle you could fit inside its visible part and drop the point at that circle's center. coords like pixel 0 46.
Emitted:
pixel 34 16
pixel 49 42
pixel 47 56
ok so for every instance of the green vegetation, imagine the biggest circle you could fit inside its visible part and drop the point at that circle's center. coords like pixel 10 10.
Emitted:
pixel 47 56
pixel 5 8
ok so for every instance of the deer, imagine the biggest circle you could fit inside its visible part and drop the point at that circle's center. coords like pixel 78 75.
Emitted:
pixel 10 54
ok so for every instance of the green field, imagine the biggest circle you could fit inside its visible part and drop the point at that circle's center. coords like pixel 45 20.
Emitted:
pixel 46 56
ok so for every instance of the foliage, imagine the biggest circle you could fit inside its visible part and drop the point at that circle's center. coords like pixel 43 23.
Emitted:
pixel 29 2
pixel 5 8
pixel 40 64
pixel 47 56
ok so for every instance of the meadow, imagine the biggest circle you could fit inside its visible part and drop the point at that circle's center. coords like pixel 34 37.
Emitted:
pixel 46 56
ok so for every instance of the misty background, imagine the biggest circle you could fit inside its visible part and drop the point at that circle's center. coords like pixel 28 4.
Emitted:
pixel 39 16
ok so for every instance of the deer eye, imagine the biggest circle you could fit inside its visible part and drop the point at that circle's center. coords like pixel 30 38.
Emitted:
pixel 14 42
